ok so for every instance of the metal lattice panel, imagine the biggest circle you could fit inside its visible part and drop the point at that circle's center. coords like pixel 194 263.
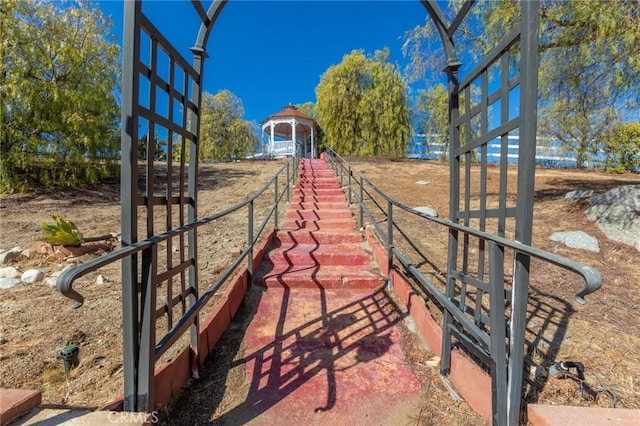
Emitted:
pixel 494 101
pixel 161 93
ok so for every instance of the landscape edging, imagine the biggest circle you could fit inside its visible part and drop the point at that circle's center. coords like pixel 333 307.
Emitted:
pixel 171 376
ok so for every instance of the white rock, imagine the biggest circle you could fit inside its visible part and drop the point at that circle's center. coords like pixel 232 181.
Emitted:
pixel 32 276
pixel 51 280
pixel 576 239
pixel 427 210
pixel 422 182
pixel 8 282
pixel 9 272
pixel 101 279
pixel 66 268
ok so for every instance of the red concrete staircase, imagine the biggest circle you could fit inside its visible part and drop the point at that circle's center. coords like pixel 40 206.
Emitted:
pixel 323 346
pixel 319 246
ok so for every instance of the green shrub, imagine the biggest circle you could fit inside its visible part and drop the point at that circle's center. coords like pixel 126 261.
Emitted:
pixel 61 233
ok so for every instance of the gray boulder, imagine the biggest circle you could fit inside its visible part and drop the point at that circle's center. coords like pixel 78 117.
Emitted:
pixel 617 214
pixel 577 195
pixel 576 239
pixel 427 210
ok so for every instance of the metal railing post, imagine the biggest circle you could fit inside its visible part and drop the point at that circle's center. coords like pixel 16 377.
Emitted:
pixel 129 203
pixel 250 244
pixel 389 241
pixel 289 182
pixel 498 334
pixel 146 357
pixel 275 202
pixel 361 202
pixel 524 210
pixel 349 184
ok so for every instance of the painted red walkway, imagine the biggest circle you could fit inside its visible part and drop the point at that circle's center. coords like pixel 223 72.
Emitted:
pixel 323 347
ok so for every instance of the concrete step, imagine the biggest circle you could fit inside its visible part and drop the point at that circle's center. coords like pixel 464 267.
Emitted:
pixel 320 179
pixel 314 225
pixel 313 214
pixel 331 357
pixel 319 237
pixel 311 198
pixel 68 417
pixel 318 192
pixel 295 276
pixel 317 174
pixel 563 415
pixel 320 205
pixel 17 402
pixel 319 184
pixel 344 254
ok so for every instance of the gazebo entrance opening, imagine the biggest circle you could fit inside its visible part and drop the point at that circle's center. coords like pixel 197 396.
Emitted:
pixel 289 132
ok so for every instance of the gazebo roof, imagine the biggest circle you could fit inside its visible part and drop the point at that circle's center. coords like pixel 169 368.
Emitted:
pixel 289 111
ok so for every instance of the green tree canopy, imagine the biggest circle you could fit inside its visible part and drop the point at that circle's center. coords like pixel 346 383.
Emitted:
pixel 362 106
pixel 307 108
pixel 224 133
pixel 589 62
pixel 621 148
pixel 58 79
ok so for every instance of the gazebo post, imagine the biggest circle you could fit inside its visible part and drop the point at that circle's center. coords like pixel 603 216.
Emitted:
pixel 272 144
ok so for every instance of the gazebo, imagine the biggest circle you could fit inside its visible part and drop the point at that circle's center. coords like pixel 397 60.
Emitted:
pixel 290 131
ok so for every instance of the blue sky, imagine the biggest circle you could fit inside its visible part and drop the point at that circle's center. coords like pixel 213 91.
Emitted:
pixel 271 53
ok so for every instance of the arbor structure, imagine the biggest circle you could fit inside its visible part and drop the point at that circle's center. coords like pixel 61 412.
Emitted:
pixel 362 106
pixel 476 300
pixel 589 64
pixel 58 86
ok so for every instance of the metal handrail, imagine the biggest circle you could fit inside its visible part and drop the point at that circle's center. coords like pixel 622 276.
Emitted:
pixel 592 278
pixel 64 283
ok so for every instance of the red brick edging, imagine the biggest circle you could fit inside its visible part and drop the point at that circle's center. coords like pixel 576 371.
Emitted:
pixel 171 376
pixel 473 384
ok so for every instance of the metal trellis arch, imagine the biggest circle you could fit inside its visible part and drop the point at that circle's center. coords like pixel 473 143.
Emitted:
pixel 169 103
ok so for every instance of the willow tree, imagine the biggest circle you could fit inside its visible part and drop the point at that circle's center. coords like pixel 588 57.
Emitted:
pixel 432 107
pixel 589 63
pixel 224 133
pixel 58 79
pixel 362 106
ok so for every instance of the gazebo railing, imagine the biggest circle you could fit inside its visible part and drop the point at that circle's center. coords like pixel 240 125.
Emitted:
pixel 282 148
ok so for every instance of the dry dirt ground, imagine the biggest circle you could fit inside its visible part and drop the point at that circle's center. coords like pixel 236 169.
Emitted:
pixel 36 321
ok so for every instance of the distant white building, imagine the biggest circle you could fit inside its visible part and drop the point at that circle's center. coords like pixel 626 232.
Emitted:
pixel 290 131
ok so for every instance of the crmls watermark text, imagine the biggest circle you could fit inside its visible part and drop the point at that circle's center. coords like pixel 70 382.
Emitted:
pixel 125 417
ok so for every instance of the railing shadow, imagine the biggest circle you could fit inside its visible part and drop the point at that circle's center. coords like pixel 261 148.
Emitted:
pixel 291 358
pixel 547 320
